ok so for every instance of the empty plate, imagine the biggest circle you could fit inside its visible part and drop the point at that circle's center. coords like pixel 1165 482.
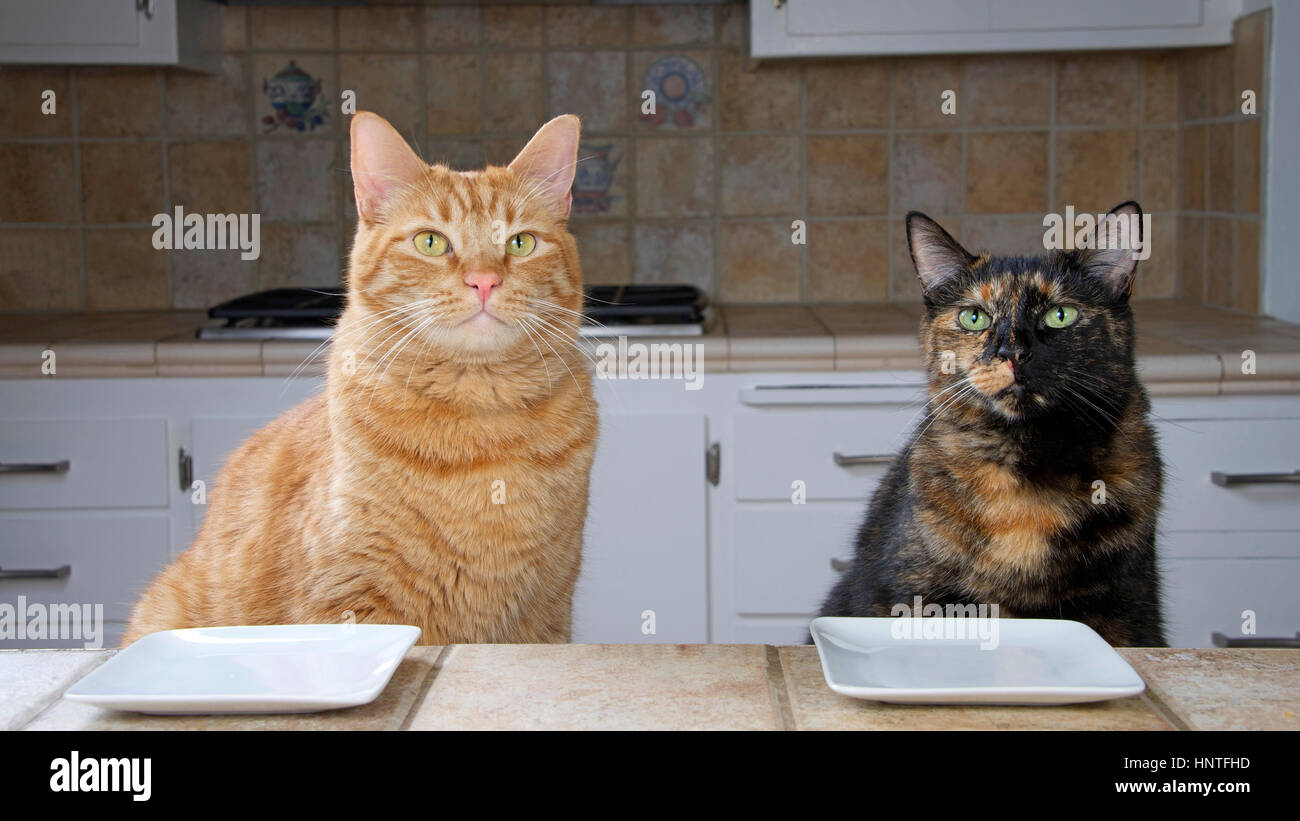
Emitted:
pixel 984 661
pixel 298 668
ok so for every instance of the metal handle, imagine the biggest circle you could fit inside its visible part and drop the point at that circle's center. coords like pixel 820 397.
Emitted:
pixel 839 565
pixel 35 467
pixel 1227 479
pixel 60 572
pixel 864 459
pixel 1221 640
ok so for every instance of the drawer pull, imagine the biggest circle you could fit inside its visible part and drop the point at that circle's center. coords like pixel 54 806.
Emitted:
pixel 1228 479
pixel 1221 640
pixel 60 572
pixel 840 566
pixel 865 459
pixel 35 467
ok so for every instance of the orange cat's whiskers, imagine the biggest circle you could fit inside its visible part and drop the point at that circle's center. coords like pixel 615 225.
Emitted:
pixel 543 333
pixel 399 347
pixel 549 383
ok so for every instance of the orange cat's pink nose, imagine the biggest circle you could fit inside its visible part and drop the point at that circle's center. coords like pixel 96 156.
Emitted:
pixel 484 281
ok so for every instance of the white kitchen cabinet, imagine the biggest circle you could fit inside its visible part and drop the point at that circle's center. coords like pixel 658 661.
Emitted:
pixel 89 559
pixel 1222 549
pixel 645 568
pixel 804 28
pixel 181 33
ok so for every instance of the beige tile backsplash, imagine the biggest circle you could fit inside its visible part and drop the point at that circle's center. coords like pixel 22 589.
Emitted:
pixel 705 191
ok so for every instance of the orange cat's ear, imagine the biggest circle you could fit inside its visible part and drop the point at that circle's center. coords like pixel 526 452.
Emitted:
pixel 382 163
pixel 549 160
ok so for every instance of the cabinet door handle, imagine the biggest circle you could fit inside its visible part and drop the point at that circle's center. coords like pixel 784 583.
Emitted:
pixel 863 459
pixel 1221 640
pixel 60 572
pixel 840 566
pixel 1228 479
pixel 35 467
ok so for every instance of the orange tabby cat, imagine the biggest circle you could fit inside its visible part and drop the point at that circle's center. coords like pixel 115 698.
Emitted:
pixel 441 480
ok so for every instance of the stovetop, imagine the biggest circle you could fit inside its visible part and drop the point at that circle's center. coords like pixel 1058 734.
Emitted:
pixel 609 310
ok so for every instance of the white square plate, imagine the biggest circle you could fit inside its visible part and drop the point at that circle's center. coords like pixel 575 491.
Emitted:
pixel 1032 661
pixel 297 668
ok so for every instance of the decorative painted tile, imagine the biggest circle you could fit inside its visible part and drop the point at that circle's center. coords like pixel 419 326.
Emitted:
pixel 678 93
pixel 598 188
pixel 296 95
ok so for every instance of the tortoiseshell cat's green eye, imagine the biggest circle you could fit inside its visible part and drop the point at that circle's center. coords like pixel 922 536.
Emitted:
pixel 431 243
pixel 1060 316
pixel 521 245
pixel 973 319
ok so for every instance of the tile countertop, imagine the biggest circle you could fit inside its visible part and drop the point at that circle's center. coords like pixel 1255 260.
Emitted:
pixel 1183 348
pixel 680 687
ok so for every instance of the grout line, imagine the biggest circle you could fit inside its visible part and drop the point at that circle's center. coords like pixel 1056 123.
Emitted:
pixel 75 102
pixel 776 683
pixel 426 686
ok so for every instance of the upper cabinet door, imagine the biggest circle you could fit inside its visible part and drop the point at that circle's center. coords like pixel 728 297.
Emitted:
pixel 800 28
pixel 183 33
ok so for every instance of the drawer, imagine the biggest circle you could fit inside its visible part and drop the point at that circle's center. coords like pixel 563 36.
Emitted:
pixel 110 463
pixel 774 448
pixel 1203 596
pixel 110 559
pixel 1192 450
pixel 781 559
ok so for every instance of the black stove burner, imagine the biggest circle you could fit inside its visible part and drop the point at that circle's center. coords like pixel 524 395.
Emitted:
pixel 602 304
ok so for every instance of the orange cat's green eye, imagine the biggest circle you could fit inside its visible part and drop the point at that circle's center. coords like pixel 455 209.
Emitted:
pixel 521 245
pixel 431 243
pixel 973 319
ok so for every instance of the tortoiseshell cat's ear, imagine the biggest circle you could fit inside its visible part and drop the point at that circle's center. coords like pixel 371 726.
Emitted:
pixel 937 256
pixel 1116 247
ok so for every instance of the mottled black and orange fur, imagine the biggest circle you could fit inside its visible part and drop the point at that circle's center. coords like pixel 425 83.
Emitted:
pixel 994 500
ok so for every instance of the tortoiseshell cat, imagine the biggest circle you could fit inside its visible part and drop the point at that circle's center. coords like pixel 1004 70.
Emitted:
pixel 1033 399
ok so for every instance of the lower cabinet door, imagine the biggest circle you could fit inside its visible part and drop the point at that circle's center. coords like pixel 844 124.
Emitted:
pixel 69 580
pixel 1205 596
pixel 644 567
